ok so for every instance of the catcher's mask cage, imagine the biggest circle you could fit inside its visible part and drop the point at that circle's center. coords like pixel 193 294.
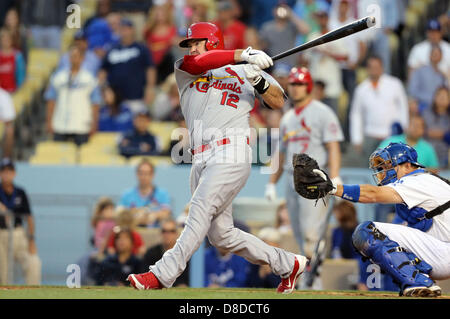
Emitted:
pixel 383 167
pixel 384 162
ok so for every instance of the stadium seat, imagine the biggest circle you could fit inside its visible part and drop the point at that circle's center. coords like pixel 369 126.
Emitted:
pixel 411 18
pixel 163 130
pixel 52 147
pixel 150 236
pixel 53 159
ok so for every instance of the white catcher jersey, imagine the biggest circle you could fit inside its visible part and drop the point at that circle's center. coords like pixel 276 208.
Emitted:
pixel 428 192
pixel 307 130
pixel 216 103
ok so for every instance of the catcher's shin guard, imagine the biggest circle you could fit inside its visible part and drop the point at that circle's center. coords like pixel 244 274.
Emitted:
pixel 404 266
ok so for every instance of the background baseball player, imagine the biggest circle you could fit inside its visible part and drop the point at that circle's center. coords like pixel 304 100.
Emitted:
pixel 416 254
pixel 216 98
pixel 313 128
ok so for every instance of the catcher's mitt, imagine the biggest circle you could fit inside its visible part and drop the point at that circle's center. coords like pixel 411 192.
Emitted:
pixel 310 181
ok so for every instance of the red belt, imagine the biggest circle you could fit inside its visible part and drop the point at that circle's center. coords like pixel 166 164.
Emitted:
pixel 206 147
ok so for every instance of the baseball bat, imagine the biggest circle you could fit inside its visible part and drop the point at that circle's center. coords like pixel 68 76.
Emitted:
pixel 346 30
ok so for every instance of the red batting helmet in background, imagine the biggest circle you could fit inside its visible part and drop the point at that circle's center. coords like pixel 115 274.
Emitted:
pixel 301 75
pixel 207 31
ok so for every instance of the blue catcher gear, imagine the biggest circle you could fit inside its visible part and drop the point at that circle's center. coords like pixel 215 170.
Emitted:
pixel 414 216
pixel 383 161
pixel 405 267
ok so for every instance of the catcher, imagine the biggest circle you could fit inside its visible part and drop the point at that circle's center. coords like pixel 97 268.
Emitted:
pixel 414 255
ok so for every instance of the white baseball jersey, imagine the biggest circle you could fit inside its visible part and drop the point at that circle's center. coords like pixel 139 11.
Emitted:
pixel 307 130
pixel 428 192
pixel 216 103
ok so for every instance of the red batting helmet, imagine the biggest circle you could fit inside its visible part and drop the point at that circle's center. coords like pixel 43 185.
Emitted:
pixel 206 31
pixel 302 76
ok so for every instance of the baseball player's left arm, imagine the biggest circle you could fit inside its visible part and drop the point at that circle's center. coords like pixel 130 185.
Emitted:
pixel 366 193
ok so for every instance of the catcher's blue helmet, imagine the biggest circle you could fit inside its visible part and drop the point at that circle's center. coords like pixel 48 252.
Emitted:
pixel 383 161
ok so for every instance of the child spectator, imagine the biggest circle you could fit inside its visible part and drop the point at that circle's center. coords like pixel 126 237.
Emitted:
pixel 139 141
pixel 437 119
pixel 282 221
pixel 115 116
pixel 126 219
pixel 115 268
pixel 103 222
pixel 12 63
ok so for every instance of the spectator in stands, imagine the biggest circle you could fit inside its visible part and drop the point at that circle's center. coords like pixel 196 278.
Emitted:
pixel 319 90
pixel 261 276
pixel 413 136
pixel 425 79
pixel 342 247
pixel 7 117
pixel 167 102
pixel 378 102
pixel 282 221
pixel 115 115
pixel 437 119
pixel 305 10
pixel 114 269
pixel 135 6
pixel 279 34
pixel 420 53
pixel 91 62
pixel 169 236
pixel 201 10
pixel 224 269
pixel 73 99
pixel 160 34
pixel 261 12
pixel 45 19
pixel 378 38
pixel 126 219
pixel 18 31
pixel 154 200
pixel 103 222
pixel 139 141
pixel 356 52
pixel 324 60
pixel 14 200
pixel 233 30
pixel 129 65
pixel 12 63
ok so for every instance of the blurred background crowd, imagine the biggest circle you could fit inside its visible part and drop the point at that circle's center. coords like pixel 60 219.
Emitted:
pixel 104 93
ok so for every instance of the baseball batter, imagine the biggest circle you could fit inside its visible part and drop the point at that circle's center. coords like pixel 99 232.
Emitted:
pixel 216 97
pixel 419 253
pixel 313 128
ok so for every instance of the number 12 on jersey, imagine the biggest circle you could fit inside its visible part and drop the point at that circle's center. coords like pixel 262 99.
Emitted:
pixel 229 99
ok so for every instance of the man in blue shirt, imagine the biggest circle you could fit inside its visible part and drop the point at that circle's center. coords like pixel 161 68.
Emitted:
pixel 150 203
pixel 129 65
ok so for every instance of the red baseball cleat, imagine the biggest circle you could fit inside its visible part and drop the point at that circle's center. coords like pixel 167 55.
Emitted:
pixel 287 284
pixel 144 281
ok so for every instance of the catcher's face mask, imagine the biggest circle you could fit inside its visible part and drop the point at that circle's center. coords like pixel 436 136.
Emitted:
pixel 383 166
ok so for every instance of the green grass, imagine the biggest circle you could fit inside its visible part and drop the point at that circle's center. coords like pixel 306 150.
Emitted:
pixel 52 292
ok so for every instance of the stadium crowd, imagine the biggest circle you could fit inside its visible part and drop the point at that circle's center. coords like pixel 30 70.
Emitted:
pixel 117 76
